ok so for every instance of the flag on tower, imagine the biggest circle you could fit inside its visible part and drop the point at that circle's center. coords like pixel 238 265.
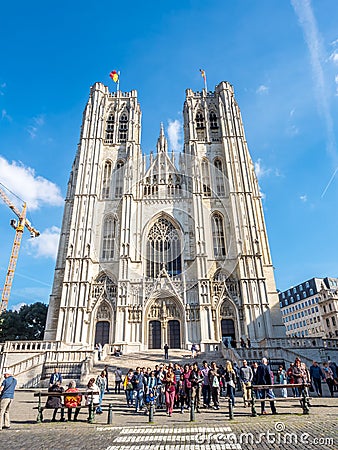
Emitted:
pixel 114 75
pixel 203 75
pixel 204 78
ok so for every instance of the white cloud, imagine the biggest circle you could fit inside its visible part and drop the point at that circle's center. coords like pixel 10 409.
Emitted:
pixel 262 89
pixel 260 170
pixel 5 115
pixel 334 57
pixel 317 56
pixel 174 134
pixel 46 244
pixel 18 306
pixel 303 198
pixel 34 190
pixel 37 123
pixel 2 88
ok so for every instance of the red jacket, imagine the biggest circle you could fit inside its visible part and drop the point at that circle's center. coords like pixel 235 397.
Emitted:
pixel 72 401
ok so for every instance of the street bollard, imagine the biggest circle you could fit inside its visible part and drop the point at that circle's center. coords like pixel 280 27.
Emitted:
pixel 192 412
pixel 231 409
pixel 110 414
pixel 151 413
pixel 253 403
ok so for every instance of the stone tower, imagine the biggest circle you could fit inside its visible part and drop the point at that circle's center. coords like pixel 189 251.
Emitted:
pixel 163 248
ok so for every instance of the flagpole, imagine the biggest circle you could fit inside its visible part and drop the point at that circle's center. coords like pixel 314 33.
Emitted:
pixel 118 82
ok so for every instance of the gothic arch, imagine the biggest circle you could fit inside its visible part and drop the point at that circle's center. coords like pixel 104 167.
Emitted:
pixel 227 314
pixel 168 313
pixel 163 243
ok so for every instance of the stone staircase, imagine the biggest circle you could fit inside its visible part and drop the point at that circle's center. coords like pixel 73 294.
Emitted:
pixel 150 358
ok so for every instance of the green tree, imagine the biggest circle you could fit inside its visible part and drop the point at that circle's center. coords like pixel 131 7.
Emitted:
pixel 26 324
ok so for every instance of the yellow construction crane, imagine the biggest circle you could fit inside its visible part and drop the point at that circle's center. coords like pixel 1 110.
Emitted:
pixel 19 227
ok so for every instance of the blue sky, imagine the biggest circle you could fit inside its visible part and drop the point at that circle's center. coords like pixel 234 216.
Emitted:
pixel 281 57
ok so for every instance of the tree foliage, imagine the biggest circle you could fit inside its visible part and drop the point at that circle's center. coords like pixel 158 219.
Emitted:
pixel 26 324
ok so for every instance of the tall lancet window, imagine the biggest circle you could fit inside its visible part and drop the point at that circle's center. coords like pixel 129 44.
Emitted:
pixel 106 179
pixel 110 127
pixel 213 120
pixel 119 177
pixel 123 127
pixel 109 235
pixel 218 235
pixel 219 177
pixel 206 178
pixel 200 126
pixel 163 249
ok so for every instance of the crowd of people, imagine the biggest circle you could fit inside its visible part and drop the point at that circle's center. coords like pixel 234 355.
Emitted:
pixel 172 385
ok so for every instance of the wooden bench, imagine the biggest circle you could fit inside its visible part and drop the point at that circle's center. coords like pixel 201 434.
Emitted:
pixel 91 406
pixel 303 399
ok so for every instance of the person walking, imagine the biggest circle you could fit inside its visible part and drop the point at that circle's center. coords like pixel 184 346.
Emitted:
pixel 7 389
pixel 166 351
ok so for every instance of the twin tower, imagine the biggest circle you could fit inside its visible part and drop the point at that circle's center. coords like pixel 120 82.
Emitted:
pixel 163 248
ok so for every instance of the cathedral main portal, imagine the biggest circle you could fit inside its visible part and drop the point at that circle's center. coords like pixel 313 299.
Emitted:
pixel 165 323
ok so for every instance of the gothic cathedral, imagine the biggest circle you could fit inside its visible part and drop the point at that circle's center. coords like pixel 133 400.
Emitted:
pixel 164 248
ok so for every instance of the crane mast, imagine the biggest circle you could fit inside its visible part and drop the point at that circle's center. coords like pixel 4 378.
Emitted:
pixel 19 227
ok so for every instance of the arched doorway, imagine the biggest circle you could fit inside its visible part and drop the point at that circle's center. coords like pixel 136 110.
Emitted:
pixel 154 335
pixel 174 334
pixel 228 329
pixel 102 332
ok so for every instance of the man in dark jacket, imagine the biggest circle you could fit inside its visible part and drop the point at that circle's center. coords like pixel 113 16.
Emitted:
pixel 55 402
pixel 264 378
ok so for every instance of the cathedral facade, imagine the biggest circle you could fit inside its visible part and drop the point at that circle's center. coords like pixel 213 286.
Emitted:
pixel 163 248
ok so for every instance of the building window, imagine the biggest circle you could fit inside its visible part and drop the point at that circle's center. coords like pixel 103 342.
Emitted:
pixel 110 127
pixel 213 121
pixel 206 178
pixel 163 249
pixel 218 235
pixel 327 322
pixel 200 127
pixel 106 180
pixel 300 287
pixel 304 294
pixel 119 178
pixel 307 285
pixel 333 321
pixel 219 177
pixel 294 290
pixel 109 233
pixel 123 127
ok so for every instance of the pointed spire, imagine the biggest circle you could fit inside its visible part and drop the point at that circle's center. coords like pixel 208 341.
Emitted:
pixel 162 144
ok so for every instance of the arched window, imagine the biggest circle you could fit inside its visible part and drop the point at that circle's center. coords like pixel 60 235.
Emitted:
pixel 219 178
pixel 110 128
pixel 106 180
pixel 123 127
pixel 206 178
pixel 109 234
pixel 200 127
pixel 213 121
pixel 218 235
pixel 163 249
pixel 119 177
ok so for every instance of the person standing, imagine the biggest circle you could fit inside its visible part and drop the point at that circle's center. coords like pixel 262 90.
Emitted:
pixel 107 378
pixel 138 386
pixel 99 351
pixel 170 389
pixel 166 351
pixel 206 390
pixel 282 379
pixel 246 375
pixel 118 380
pixel 101 383
pixel 264 378
pixel 56 377
pixel 214 381
pixel 230 381
pixel 328 375
pixel 317 376
pixel 6 398
pixel 196 380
